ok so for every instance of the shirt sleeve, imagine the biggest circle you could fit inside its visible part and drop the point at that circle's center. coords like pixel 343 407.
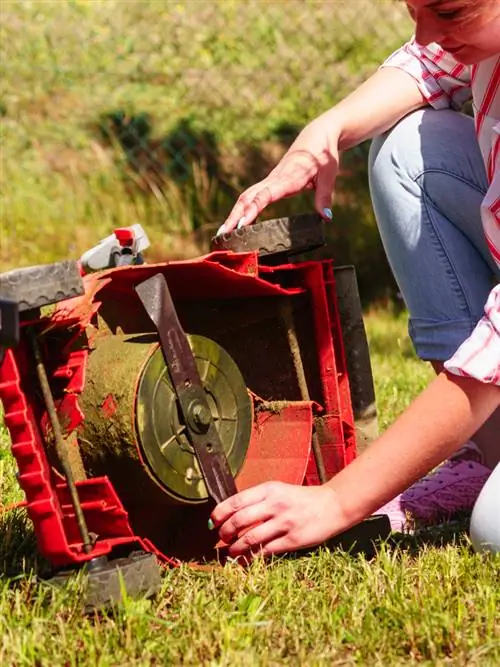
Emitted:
pixel 442 80
pixel 479 356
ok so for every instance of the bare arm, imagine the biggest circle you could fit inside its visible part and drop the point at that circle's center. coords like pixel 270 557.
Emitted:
pixel 275 517
pixel 435 425
pixel 374 107
pixel 312 159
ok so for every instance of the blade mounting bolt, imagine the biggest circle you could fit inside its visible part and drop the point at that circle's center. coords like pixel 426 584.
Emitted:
pixel 201 416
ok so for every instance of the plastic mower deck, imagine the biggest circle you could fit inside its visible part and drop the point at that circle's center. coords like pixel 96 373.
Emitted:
pixel 142 394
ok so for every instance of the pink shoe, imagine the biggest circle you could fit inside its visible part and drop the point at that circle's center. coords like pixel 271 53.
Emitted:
pixel 453 487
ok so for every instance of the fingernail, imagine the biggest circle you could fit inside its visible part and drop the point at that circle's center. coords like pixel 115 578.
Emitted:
pixel 241 222
pixel 221 230
pixel 211 525
pixel 327 212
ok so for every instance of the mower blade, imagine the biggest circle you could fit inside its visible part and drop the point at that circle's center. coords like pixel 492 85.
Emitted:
pixel 203 436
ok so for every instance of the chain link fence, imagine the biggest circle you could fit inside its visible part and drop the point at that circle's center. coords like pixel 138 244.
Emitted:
pixel 120 109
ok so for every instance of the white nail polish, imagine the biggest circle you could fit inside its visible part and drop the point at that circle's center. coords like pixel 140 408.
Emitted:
pixel 241 222
pixel 221 230
pixel 327 212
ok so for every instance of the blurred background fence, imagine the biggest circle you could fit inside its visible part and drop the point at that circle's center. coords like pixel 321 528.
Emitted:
pixel 161 112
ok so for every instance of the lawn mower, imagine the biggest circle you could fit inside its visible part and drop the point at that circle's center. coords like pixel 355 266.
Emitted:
pixel 139 395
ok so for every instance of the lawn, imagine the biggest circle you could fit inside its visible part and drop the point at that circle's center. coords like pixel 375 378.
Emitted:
pixel 205 100
pixel 117 112
pixel 434 605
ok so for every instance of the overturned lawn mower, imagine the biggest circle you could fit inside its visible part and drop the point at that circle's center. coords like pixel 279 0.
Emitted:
pixel 138 395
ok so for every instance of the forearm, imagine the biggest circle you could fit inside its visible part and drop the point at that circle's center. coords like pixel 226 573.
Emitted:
pixel 437 423
pixel 377 105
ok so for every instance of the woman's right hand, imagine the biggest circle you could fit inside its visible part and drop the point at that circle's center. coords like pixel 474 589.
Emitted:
pixel 311 162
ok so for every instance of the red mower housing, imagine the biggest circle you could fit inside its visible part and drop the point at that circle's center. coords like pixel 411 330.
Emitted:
pixel 230 298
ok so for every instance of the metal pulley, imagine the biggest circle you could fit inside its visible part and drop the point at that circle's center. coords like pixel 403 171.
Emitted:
pixel 203 435
pixel 161 428
pixel 133 416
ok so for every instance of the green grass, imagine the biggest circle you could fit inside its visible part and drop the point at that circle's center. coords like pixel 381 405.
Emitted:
pixel 208 93
pixel 431 605
pixel 238 78
pixel 399 374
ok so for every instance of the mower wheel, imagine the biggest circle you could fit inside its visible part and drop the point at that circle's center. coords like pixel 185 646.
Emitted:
pixel 279 236
pixel 42 285
pixel 106 581
pixel 138 575
pixel 357 356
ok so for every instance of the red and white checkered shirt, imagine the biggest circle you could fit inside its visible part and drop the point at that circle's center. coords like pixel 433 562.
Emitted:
pixel 445 83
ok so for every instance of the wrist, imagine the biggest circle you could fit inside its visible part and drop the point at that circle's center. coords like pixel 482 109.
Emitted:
pixel 352 502
pixel 319 136
pixel 340 516
pixel 331 125
pixel 337 124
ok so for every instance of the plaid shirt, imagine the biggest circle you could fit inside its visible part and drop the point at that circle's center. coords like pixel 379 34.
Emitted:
pixel 445 83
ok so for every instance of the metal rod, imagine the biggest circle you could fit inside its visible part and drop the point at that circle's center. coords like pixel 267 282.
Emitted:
pixel 286 313
pixel 61 445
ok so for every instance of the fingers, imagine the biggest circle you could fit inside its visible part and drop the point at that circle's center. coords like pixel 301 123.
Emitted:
pixel 235 216
pixel 325 183
pixel 252 202
pixel 240 501
pixel 242 521
pixel 254 541
pixel 250 520
pixel 293 174
pixel 275 517
pixel 281 183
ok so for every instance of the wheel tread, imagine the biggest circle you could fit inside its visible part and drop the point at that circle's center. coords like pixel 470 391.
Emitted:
pixel 289 235
pixel 42 285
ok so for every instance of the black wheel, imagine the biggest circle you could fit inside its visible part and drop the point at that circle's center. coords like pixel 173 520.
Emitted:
pixel 138 574
pixel 362 538
pixel 278 236
pixel 9 324
pixel 104 580
pixel 357 356
pixel 41 285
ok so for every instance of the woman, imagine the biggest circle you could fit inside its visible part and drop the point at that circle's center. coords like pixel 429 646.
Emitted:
pixel 435 185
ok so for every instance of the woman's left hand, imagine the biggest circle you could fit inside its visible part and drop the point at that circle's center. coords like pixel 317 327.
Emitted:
pixel 274 517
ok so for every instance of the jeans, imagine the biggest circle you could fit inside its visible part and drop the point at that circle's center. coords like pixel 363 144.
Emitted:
pixel 427 181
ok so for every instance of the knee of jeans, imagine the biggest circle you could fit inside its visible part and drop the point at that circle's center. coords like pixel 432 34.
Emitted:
pixel 399 147
pixel 485 519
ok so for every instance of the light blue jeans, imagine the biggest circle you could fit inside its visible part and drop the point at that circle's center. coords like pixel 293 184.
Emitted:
pixel 427 181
